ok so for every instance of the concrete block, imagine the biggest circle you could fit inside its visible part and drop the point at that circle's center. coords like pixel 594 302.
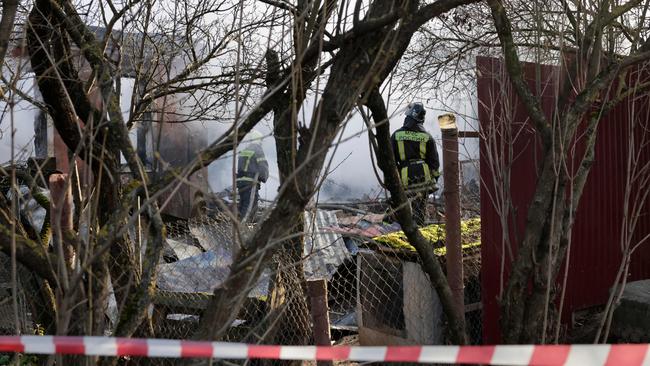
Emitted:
pixel 631 321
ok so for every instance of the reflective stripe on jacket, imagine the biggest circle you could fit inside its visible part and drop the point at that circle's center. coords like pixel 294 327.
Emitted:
pixel 252 165
pixel 416 154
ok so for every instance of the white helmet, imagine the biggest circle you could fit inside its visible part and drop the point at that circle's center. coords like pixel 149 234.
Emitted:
pixel 254 136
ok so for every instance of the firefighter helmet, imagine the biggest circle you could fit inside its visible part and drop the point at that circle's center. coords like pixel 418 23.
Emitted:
pixel 416 111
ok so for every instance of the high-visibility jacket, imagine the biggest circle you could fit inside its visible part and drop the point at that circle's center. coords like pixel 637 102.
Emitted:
pixel 416 154
pixel 252 165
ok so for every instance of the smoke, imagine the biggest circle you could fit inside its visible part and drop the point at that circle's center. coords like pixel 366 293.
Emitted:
pixel 348 175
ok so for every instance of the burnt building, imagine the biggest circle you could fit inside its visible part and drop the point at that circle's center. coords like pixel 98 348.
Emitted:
pixel 163 139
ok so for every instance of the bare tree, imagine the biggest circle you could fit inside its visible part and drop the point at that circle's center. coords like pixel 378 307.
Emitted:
pixel 9 12
pixel 379 47
pixel 263 59
pixel 635 197
pixel 594 52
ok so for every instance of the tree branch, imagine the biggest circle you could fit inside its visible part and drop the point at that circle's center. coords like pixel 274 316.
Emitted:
pixel 9 10
pixel 515 71
pixel 49 82
pixel 430 11
pixel 281 4
pixel 29 253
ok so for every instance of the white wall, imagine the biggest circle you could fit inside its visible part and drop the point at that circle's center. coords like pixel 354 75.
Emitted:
pixel 23 118
pixel 22 114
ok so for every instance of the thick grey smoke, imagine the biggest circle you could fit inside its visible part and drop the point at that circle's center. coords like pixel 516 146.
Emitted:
pixel 351 174
pixel 220 172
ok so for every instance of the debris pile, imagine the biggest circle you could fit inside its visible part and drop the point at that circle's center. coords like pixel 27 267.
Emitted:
pixel 370 268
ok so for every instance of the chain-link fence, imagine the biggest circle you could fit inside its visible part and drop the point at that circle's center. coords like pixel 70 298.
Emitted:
pixel 10 304
pixel 375 288
pixel 377 292
pixel 394 301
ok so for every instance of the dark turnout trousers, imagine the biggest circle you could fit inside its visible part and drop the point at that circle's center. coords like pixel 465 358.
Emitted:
pixel 248 200
pixel 418 200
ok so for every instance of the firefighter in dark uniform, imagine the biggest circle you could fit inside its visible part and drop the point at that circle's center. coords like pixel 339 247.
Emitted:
pixel 252 171
pixel 417 160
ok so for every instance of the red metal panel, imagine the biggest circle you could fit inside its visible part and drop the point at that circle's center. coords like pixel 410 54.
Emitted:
pixel 595 252
pixel 499 111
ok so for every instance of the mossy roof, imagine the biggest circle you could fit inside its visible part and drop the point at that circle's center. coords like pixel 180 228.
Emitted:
pixel 435 234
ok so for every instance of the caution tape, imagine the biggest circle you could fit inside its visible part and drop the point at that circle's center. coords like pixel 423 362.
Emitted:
pixel 547 355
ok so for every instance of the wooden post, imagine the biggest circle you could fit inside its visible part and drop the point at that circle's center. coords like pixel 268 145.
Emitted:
pixel 61 213
pixel 320 314
pixel 451 193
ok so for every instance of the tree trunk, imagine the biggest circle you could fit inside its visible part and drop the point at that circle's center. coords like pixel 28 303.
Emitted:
pixel 288 299
pixel 9 10
pixel 399 203
pixel 333 107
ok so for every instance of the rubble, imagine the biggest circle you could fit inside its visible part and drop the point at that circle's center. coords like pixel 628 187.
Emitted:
pixel 352 248
pixel 203 273
pixel 28 205
pixel 324 249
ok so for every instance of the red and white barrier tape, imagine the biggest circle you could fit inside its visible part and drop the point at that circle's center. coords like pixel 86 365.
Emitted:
pixel 547 355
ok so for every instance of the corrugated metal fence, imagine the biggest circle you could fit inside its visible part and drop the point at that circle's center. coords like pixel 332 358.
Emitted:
pixel 595 252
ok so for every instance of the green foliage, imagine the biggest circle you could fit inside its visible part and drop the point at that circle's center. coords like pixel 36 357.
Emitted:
pixel 19 359
pixel 470 237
